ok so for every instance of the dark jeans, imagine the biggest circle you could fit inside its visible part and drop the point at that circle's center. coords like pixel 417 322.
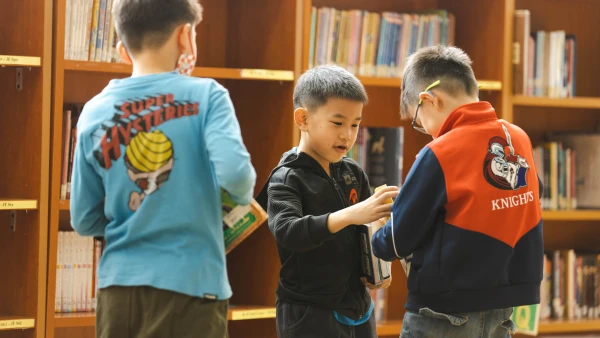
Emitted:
pixel 146 312
pixel 305 321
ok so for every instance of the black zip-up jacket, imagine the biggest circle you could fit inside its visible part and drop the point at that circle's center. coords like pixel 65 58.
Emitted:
pixel 317 268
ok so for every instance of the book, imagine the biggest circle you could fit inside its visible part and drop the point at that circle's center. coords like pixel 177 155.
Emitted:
pixel 239 221
pixel 374 269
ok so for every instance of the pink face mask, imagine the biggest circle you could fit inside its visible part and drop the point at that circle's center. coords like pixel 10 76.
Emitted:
pixel 186 63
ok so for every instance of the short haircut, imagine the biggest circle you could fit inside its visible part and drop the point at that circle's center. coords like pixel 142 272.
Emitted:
pixel 450 65
pixel 321 83
pixel 143 24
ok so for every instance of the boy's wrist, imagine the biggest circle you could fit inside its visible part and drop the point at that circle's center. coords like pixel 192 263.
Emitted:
pixel 338 220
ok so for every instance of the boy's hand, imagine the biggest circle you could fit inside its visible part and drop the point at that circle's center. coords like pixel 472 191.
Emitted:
pixel 374 208
pixel 384 285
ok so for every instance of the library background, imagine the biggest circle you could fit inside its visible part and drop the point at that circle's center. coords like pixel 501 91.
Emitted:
pixel 536 62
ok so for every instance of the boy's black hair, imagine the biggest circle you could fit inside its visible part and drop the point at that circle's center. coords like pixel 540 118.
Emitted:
pixel 451 65
pixel 149 23
pixel 321 83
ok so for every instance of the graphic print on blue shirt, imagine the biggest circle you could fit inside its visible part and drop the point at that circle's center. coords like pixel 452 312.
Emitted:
pixel 148 152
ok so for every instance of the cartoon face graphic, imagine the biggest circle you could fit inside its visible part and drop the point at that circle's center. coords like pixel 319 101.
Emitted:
pixel 149 160
pixel 501 167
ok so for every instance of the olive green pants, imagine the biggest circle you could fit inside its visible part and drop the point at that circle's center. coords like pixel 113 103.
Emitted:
pixel 146 312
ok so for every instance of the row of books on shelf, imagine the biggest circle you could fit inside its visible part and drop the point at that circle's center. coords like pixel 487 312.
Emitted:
pixel 90 31
pixel 543 61
pixel 374 44
pixel 76 278
pixel 571 285
pixel 556 168
pixel 567 166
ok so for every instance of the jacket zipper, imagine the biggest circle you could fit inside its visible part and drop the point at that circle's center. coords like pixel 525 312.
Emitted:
pixel 344 204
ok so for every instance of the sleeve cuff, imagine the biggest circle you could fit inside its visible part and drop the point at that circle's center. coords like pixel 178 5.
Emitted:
pixel 317 228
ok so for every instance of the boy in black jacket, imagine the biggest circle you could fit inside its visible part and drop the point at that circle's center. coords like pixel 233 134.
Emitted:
pixel 313 197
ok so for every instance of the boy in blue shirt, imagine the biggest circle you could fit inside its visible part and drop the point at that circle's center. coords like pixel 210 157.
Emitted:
pixel 314 197
pixel 153 151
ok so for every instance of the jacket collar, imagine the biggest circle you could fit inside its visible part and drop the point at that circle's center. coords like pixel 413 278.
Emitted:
pixel 469 113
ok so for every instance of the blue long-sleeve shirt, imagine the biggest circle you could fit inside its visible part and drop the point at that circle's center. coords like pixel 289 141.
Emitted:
pixel 152 153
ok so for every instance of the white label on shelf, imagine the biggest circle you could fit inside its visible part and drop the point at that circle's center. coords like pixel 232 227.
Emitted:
pixel 18 205
pixel 16 60
pixel 11 324
pixel 252 314
pixel 265 74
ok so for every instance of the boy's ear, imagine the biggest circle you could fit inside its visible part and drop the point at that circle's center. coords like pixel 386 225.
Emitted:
pixel 300 118
pixel 184 40
pixel 428 96
pixel 123 53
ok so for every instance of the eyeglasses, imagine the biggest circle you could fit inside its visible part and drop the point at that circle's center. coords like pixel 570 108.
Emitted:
pixel 417 126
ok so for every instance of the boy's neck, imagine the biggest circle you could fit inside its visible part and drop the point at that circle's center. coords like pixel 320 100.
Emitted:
pixel 304 148
pixel 152 62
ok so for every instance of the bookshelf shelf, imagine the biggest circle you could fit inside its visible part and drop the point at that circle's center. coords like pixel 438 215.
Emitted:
pixel 64 205
pixel 77 319
pixel 211 72
pixel 18 61
pixel 393 82
pixel 12 204
pixel 16 323
pixel 576 102
pixel 563 326
pixel 85 319
pixel 393 327
pixel 389 328
pixel 571 215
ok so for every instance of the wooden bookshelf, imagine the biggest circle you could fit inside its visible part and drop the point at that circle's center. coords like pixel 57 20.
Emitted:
pixel 25 79
pixel 576 102
pixel 257 49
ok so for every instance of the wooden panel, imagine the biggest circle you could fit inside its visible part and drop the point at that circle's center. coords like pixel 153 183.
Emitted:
pixel 262 328
pixel 212 34
pixel 560 235
pixel 261 34
pixel 265 112
pixel 573 19
pixel 76 332
pixel 571 215
pixel 479 31
pixel 22 34
pixel 21 134
pixel 540 123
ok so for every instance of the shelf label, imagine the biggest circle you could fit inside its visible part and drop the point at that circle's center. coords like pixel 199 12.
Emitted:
pixel 11 324
pixel 252 314
pixel 18 204
pixel 489 85
pixel 265 74
pixel 15 60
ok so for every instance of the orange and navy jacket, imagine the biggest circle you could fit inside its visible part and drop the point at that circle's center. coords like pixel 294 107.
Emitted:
pixel 469 214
